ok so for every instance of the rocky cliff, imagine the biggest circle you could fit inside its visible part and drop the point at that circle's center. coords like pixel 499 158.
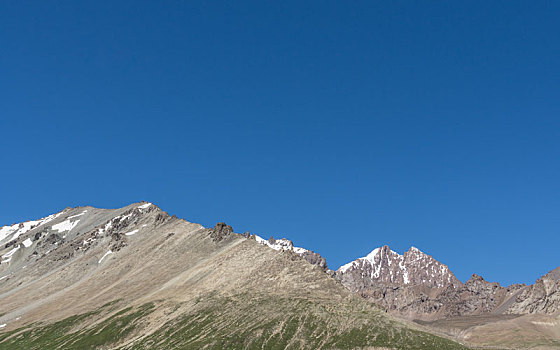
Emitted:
pixel 415 285
pixel 543 297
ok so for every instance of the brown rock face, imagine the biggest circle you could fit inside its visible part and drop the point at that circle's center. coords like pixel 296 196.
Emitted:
pixel 385 266
pixel 416 285
pixel 314 259
pixel 543 297
pixel 476 296
pixel 480 296
pixel 220 231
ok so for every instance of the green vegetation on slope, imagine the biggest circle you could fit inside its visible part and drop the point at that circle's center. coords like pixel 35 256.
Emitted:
pixel 60 335
pixel 284 323
pixel 240 322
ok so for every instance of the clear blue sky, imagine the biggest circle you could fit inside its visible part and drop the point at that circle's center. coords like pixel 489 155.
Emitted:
pixel 340 125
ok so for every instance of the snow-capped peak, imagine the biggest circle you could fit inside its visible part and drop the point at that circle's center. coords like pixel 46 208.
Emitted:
pixel 144 206
pixel 412 267
pixel 373 254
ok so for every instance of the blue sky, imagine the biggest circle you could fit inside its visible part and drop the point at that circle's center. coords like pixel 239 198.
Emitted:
pixel 340 125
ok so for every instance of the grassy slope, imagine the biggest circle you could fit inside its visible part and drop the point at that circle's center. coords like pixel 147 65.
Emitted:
pixel 240 322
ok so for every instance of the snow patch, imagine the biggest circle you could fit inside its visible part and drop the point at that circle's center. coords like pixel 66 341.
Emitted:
pixel 371 256
pixel 5 231
pixel 64 226
pixel 16 230
pixel 11 252
pixel 122 217
pixel 8 255
pixel 405 276
pixel 131 232
pixel 281 244
pixel 75 216
pixel 2 325
pixel 144 206
pixel 346 267
pixel 27 243
pixel 103 257
pixel 103 229
pixel 88 241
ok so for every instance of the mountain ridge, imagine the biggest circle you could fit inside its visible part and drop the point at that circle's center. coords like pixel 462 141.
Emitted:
pixel 128 256
pixel 10 233
pixel 34 222
pixel 395 274
pixel 124 278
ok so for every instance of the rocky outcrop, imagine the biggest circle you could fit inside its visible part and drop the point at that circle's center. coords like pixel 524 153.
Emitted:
pixel 314 259
pixel 220 231
pixel 543 297
pixel 161 218
pixel 53 239
pixel 479 296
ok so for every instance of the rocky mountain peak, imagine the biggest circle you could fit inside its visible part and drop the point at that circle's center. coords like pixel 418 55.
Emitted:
pixel 413 249
pixel 477 284
pixel 416 254
pixel 385 266
pixel 475 278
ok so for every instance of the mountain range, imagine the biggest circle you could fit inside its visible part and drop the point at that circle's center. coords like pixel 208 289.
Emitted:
pixel 138 278
pixel 418 285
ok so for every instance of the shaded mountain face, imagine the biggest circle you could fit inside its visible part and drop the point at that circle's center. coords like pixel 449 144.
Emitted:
pixel 137 278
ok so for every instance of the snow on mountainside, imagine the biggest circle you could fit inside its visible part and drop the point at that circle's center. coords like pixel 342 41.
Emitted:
pixel 280 244
pixel 11 232
pixel 287 245
pixel 383 265
pixel 65 233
